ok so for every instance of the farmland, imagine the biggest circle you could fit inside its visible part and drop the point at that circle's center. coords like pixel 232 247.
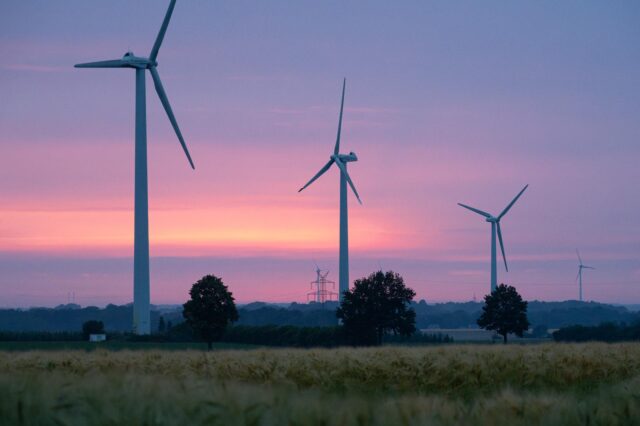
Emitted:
pixel 454 384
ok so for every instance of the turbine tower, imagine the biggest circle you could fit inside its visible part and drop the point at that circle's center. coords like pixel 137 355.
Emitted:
pixel 495 227
pixel 141 297
pixel 581 266
pixel 341 160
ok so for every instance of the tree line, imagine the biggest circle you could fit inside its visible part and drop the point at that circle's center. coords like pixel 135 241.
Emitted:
pixel 116 318
pixel 605 332
pixel 379 308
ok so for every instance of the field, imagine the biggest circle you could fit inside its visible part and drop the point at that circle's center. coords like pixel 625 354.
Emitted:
pixel 550 384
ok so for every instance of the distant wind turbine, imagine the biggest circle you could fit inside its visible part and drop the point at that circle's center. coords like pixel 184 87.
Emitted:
pixel 581 266
pixel 141 297
pixel 341 160
pixel 495 226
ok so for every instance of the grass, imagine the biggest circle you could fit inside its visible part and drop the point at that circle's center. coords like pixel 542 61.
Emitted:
pixel 455 384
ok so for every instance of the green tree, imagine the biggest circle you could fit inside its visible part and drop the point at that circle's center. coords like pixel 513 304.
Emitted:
pixel 210 309
pixel 92 327
pixel 505 312
pixel 161 325
pixel 378 304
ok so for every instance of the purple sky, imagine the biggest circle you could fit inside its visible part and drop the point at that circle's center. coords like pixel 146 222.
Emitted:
pixel 446 102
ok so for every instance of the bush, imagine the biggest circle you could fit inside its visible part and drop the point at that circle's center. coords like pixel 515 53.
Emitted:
pixel 418 338
pixel 35 336
pixel 290 336
pixel 269 335
pixel 605 332
pixel 92 327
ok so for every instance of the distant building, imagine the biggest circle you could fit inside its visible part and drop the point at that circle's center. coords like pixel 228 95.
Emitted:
pixel 97 337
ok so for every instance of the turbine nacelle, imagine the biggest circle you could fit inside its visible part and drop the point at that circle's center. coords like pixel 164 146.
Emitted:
pixel 134 61
pixel 346 158
pixel 493 219
pixel 128 60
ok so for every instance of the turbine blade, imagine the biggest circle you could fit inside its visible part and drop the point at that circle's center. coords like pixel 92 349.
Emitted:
pixel 512 203
pixel 163 29
pixel 502 247
pixel 320 173
pixel 578 276
pixel 115 63
pixel 588 267
pixel 167 107
pixel 480 212
pixel 337 147
pixel 343 170
pixel 579 258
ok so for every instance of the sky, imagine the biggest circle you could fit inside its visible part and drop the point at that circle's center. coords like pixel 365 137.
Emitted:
pixel 446 102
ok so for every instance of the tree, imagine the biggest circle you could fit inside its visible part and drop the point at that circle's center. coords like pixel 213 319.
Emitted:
pixel 161 325
pixel 378 304
pixel 210 309
pixel 92 327
pixel 505 312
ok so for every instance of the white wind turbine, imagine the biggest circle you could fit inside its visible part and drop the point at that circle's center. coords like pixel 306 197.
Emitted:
pixel 495 226
pixel 141 297
pixel 341 160
pixel 581 266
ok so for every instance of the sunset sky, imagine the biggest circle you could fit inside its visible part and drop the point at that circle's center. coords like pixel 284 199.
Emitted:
pixel 446 102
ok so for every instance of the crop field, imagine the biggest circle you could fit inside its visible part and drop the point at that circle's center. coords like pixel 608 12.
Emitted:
pixel 546 384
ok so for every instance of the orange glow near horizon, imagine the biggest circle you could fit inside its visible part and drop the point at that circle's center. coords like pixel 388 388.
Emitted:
pixel 89 211
pixel 191 232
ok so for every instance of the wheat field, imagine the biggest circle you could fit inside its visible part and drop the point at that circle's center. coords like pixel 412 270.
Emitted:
pixel 550 384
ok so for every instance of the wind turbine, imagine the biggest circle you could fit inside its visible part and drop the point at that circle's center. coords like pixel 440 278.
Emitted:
pixel 341 160
pixel 141 312
pixel 581 266
pixel 495 226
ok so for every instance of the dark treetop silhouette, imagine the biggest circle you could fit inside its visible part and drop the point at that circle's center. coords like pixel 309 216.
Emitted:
pixel 505 312
pixel 377 304
pixel 210 309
